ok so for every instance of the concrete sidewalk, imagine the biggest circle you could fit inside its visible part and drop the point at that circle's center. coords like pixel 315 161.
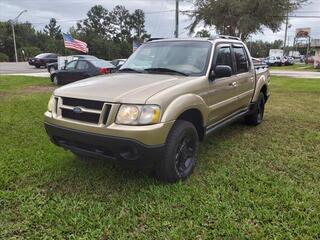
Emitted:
pixel 295 74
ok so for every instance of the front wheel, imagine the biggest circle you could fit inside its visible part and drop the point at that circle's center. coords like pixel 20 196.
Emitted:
pixel 180 153
pixel 51 69
pixel 55 80
pixel 256 117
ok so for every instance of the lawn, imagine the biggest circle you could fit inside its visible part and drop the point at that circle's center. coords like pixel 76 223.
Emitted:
pixel 250 182
pixel 296 67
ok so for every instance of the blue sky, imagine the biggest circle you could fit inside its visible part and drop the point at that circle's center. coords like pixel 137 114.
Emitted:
pixel 159 15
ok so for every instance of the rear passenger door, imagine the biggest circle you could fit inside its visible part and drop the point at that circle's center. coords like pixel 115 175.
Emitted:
pixel 82 70
pixel 245 76
pixel 222 91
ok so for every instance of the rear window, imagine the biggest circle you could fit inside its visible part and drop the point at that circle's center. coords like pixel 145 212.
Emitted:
pixel 102 64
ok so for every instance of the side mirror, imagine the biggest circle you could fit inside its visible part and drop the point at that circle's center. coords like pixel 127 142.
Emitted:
pixel 222 71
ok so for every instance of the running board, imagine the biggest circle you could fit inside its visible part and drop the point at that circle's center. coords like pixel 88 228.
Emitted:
pixel 224 123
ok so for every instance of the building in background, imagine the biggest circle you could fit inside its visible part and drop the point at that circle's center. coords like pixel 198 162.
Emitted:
pixel 315 43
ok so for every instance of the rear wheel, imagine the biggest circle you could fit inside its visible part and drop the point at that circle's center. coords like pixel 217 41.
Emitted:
pixel 37 66
pixel 181 153
pixel 256 117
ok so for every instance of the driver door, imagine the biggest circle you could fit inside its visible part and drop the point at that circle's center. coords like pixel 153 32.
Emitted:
pixel 222 96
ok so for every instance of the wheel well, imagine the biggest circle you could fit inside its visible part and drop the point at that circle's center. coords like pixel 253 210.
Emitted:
pixel 195 117
pixel 264 91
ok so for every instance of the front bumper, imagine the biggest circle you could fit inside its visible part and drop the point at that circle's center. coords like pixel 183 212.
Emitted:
pixel 124 150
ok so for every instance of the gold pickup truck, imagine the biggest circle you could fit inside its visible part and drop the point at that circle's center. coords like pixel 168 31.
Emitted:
pixel 164 100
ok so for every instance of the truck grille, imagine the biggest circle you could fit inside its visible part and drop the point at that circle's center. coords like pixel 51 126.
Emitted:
pixel 97 105
pixel 84 117
pixel 82 110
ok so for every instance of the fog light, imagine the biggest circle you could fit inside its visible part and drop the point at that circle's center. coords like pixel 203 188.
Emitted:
pixel 129 153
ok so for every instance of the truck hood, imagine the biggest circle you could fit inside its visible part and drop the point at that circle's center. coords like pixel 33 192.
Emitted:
pixel 120 87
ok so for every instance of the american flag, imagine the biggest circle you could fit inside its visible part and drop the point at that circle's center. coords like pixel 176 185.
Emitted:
pixel 71 43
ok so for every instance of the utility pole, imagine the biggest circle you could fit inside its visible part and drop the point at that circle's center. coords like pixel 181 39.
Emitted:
pixel 14 35
pixel 14 42
pixel 176 33
pixel 286 33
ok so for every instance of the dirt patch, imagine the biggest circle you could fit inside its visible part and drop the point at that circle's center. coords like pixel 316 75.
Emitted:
pixel 28 90
pixel 38 89
pixel 4 94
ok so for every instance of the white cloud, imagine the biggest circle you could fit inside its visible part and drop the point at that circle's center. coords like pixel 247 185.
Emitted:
pixel 158 24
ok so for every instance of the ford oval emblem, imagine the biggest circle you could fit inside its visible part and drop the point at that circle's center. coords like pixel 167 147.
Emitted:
pixel 77 110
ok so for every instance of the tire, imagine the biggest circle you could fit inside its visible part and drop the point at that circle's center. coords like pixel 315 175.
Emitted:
pixel 256 117
pixel 51 69
pixel 55 80
pixel 180 153
pixel 37 66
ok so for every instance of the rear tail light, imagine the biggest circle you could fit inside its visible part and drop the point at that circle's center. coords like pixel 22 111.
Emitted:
pixel 104 70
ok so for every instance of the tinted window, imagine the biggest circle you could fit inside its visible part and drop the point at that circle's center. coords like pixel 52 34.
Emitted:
pixel 224 57
pixel 83 65
pixel 241 60
pixel 71 65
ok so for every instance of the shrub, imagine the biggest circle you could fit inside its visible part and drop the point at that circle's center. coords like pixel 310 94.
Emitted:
pixel 4 57
pixel 28 53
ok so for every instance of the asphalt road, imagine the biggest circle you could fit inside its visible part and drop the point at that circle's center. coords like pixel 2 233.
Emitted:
pixel 22 68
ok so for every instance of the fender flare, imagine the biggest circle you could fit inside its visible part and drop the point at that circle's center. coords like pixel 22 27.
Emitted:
pixel 261 82
pixel 184 103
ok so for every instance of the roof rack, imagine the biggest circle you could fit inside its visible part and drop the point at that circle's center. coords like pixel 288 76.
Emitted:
pixel 225 37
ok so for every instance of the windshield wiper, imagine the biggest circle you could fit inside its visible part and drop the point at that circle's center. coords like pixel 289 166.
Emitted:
pixel 165 70
pixel 129 70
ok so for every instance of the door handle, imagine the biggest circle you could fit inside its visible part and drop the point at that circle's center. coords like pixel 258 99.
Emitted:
pixel 233 84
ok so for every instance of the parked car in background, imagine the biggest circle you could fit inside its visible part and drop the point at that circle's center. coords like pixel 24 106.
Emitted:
pixel 288 61
pixel 118 62
pixel 43 59
pixel 309 59
pixel 81 69
pixel 54 66
pixel 273 61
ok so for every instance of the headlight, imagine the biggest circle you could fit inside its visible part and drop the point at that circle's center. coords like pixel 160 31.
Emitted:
pixel 51 104
pixel 138 114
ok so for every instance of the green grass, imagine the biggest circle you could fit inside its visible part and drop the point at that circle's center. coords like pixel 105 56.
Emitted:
pixel 250 182
pixel 10 83
pixel 296 67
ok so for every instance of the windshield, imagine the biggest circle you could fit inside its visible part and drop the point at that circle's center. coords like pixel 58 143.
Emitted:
pixel 187 57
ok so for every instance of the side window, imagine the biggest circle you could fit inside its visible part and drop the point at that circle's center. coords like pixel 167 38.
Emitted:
pixel 71 65
pixel 224 57
pixel 82 65
pixel 241 60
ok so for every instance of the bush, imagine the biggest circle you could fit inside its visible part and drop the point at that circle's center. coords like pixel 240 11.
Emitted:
pixel 28 53
pixel 4 57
